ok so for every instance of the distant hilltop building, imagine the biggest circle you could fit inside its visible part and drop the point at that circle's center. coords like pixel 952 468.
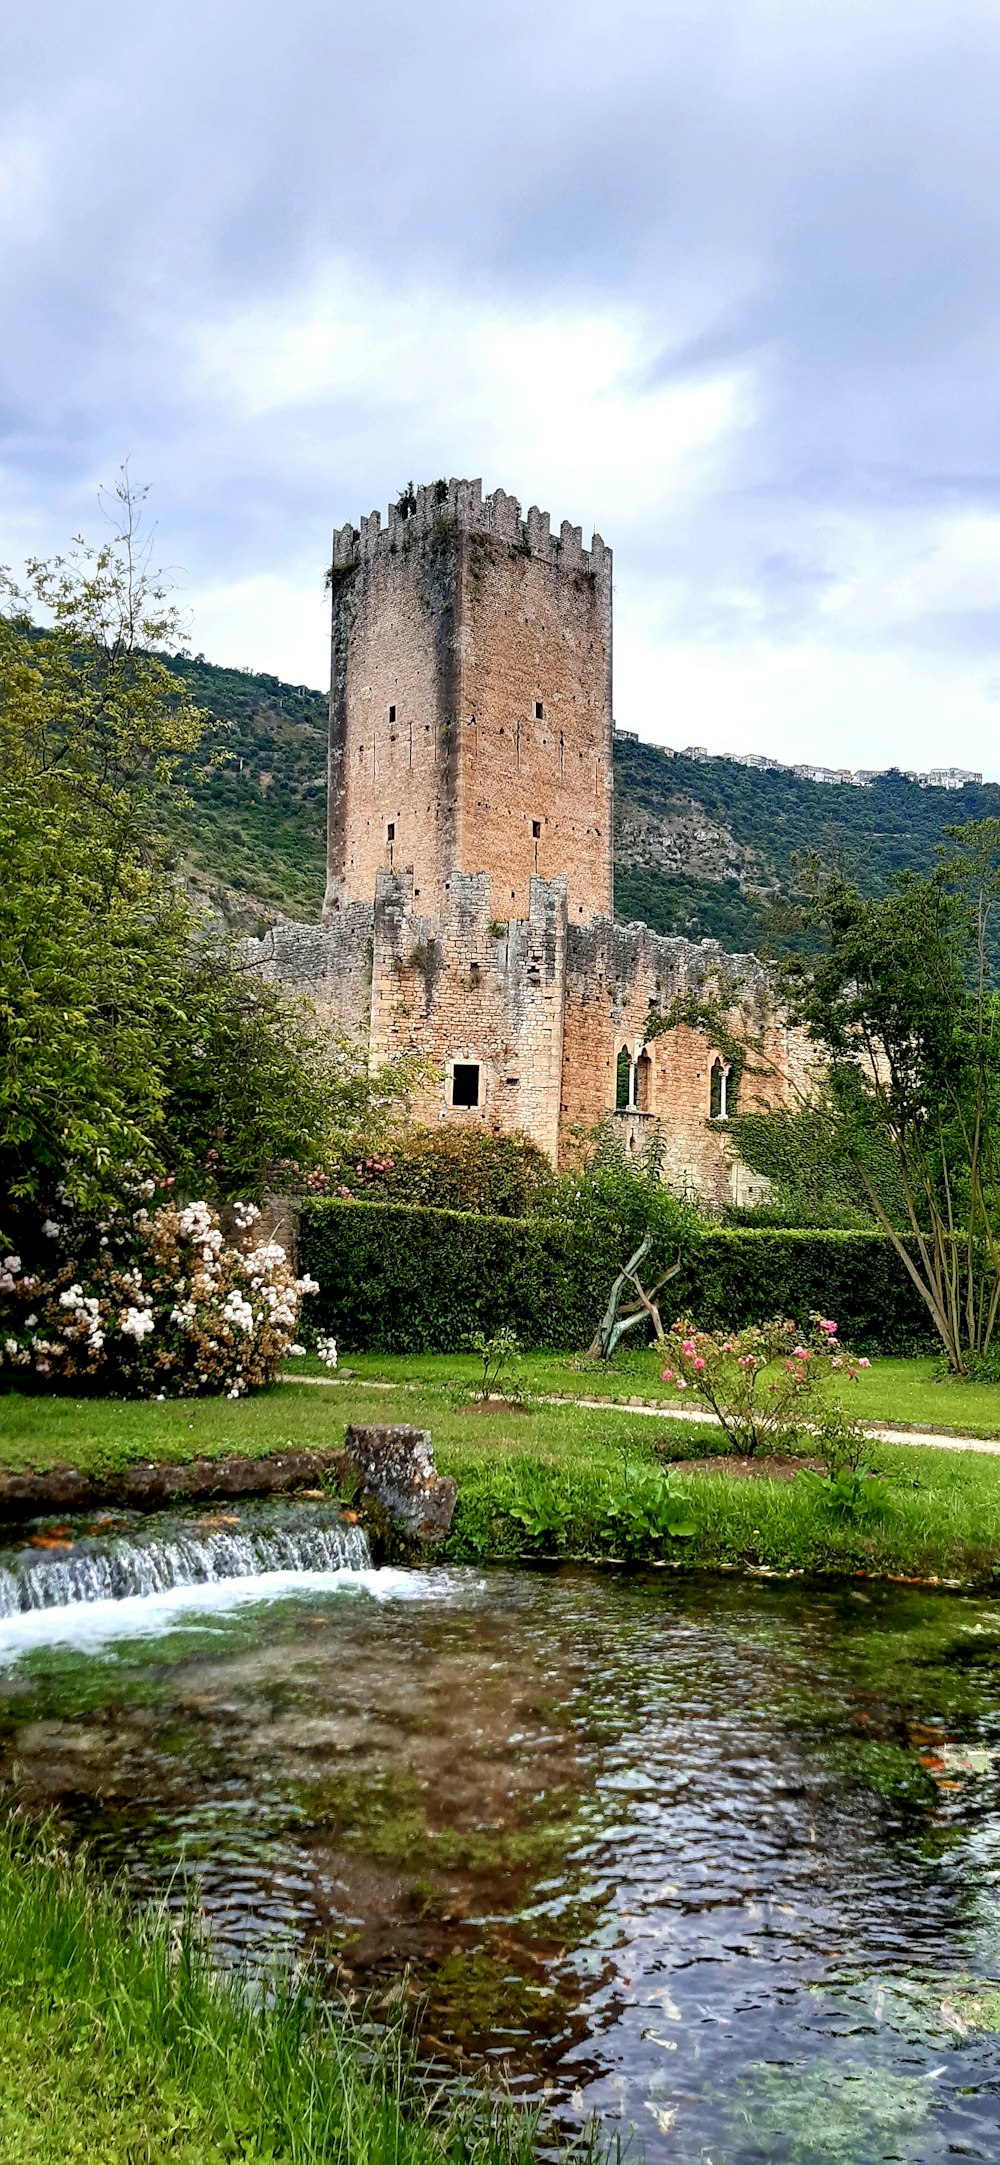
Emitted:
pixel 469 896
pixel 934 778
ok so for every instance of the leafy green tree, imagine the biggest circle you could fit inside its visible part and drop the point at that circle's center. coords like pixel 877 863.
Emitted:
pixel 904 1005
pixel 128 1037
pixel 900 999
pixel 91 934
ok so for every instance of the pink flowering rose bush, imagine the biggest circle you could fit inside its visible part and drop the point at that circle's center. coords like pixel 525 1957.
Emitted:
pixel 151 1300
pixel 766 1384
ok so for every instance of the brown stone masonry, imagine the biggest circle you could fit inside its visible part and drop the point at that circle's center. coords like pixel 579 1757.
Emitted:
pixel 469 897
pixel 470 706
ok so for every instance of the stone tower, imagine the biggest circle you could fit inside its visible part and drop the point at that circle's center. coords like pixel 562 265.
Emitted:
pixel 470 705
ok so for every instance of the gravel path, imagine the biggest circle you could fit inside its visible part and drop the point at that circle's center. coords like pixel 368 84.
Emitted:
pixel 930 1438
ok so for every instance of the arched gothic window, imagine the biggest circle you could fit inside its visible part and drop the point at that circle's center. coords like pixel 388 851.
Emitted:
pixel 643 1080
pixel 717 1100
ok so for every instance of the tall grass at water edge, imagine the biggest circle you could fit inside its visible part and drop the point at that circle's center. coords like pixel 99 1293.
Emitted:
pixel 120 2043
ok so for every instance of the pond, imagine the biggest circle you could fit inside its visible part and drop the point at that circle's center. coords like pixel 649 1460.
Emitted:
pixel 715 1860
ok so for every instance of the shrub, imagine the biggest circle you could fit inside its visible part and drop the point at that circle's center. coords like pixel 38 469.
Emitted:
pixel 764 1383
pixel 455 1169
pixel 399 1279
pixel 737 1276
pixel 149 1303
pixel 412 1280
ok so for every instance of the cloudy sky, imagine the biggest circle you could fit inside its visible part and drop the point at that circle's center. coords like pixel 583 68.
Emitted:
pixel 719 277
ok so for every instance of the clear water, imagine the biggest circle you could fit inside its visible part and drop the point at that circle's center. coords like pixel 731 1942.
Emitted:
pixel 107 1560
pixel 718 1861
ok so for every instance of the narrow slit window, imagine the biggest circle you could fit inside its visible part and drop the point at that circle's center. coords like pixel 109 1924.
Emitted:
pixel 717 1091
pixel 536 828
pixel 539 710
pixel 392 714
pixel 465 1082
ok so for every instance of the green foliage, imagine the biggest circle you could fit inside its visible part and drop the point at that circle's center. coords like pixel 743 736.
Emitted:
pixel 813 1180
pixel 503 1176
pixel 852 1494
pixel 397 1279
pixel 645 1512
pixel 124 1038
pixel 118 2042
pixel 681 906
pixel 777 821
pixel 255 818
pixel 629 1511
pixel 248 1077
pixel 905 1005
pixel 500 1355
pixel 90 737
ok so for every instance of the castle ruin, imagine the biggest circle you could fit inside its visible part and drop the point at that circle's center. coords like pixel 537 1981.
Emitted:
pixel 469 901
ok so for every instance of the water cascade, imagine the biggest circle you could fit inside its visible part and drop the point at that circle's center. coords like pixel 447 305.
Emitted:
pixel 112 1568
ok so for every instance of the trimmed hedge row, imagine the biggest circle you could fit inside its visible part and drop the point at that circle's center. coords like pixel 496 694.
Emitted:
pixel 399 1278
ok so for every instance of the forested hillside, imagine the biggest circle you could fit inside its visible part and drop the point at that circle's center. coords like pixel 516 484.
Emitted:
pixel 258 818
pixel 702 848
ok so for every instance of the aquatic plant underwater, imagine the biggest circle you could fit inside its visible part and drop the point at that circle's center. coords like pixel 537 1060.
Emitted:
pixel 708 1866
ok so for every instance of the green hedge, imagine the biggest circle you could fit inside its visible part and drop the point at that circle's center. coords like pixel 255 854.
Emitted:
pixel 398 1278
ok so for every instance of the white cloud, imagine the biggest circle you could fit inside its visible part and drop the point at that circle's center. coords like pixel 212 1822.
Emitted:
pixel 277 622
pixel 837 708
pixel 716 278
pixel 543 398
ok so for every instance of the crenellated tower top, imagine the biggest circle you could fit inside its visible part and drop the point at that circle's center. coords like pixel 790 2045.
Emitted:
pixel 462 504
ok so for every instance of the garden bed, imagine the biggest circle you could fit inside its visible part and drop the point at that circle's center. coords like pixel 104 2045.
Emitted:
pixel 771 1468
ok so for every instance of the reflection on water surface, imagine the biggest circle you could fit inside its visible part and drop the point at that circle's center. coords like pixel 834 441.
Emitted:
pixel 715 1859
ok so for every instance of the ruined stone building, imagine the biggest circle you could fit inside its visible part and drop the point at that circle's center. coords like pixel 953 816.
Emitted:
pixel 469 893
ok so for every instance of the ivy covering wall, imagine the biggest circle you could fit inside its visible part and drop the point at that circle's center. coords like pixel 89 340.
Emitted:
pixel 402 1279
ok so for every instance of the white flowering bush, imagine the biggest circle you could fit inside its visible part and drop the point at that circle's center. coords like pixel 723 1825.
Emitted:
pixel 153 1302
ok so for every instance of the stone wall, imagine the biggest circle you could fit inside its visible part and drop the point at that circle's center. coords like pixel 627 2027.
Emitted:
pixel 329 965
pixel 471 724
pixel 463 988
pixel 542 1008
pixel 619 977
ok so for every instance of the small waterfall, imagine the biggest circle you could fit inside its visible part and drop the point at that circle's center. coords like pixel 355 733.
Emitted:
pixel 114 1569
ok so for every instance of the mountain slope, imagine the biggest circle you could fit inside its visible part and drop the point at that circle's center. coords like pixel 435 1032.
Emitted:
pixel 701 847
pixel 257 822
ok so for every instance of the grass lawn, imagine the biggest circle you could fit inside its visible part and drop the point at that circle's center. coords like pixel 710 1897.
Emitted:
pixel 910 1393
pixel 102 1433
pixel 119 2047
pixel 564 1479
